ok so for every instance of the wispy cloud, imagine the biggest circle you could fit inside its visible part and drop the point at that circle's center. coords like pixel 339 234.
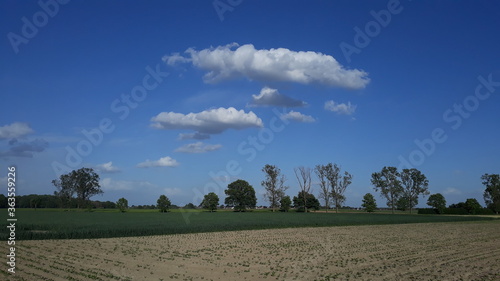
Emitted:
pixel 162 162
pixel 340 108
pixel 272 97
pixel 198 147
pixel 194 136
pixel 281 64
pixel 297 117
pixel 24 148
pixel 451 191
pixel 107 168
pixel 15 130
pixel 213 121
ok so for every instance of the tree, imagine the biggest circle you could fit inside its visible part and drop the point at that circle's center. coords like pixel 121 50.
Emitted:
pixel 189 206
pixel 492 192
pixel 303 176
pixel 286 203
pixel 387 181
pixel 403 203
pixel 210 201
pixel 83 182
pixel 163 203
pixel 437 202
pixel 324 185
pixel 310 203
pixel 369 203
pixel 414 184
pixel 240 195
pixel 274 185
pixel 471 205
pixel 35 201
pixel 339 189
pixel 122 204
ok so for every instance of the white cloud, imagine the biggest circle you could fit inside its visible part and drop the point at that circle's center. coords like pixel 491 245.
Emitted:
pixel 213 121
pixel 234 61
pixel 271 97
pixel 107 168
pixel 198 147
pixel 451 191
pixel 297 116
pixel 162 162
pixel 340 108
pixel 24 148
pixel 194 136
pixel 15 130
pixel 110 184
pixel 172 191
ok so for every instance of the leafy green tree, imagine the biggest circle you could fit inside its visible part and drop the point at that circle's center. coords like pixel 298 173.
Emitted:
pixel 414 183
pixel 210 202
pixel 83 182
pixel 387 181
pixel 403 203
pixel 35 201
pixel 369 203
pixel 303 175
pixel 240 195
pixel 163 203
pixel 286 203
pixel 3 201
pixel 472 206
pixel 492 192
pixel 339 188
pixel 189 206
pixel 437 202
pixel 122 204
pixel 310 203
pixel 274 184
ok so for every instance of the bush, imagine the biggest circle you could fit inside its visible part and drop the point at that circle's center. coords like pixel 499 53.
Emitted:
pixel 427 211
pixel 484 211
pixel 455 211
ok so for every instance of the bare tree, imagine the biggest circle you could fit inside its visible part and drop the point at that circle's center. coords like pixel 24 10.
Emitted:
pixel 325 192
pixel 303 175
pixel 274 185
pixel 333 176
pixel 339 190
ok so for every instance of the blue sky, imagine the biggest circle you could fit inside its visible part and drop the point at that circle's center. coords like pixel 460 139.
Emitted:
pixel 182 97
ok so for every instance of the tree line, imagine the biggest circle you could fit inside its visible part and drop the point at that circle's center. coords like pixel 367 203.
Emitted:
pixel 401 189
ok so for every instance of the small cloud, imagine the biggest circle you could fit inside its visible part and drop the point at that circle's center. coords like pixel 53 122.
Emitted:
pixel 297 116
pixel 340 108
pixel 162 162
pixel 271 97
pixel 15 130
pixel 107 168
pixel 212 121
pixel 451 191
pixel 194 136
pixel 24 148
pixel 110 184
pixel 172 191
pixel 198 147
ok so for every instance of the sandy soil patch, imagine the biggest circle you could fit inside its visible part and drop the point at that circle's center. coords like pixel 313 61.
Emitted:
pixel 433 251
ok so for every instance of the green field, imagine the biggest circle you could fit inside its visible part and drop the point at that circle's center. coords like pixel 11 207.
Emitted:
pixel 58 224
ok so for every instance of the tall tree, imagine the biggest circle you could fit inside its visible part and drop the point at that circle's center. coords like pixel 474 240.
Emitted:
pixel 324 185
pixel 274 184
pixel 83 182
pixel 369 203
pixel 163 203
pixel 387 181
pixel 303 175
pixel 210 201
pixel 472 206
pixel 437 202
pixel 414 183
pixel 492 191
pixel 339 190
pixel 286 203
pixel 240 195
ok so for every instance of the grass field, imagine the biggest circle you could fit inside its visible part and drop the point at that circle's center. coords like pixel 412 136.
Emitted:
pixel 58 224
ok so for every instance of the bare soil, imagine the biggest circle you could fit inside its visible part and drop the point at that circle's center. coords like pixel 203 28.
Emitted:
pixel 433 251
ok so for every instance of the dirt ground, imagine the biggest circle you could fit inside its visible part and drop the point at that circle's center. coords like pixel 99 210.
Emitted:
pixel 435 251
